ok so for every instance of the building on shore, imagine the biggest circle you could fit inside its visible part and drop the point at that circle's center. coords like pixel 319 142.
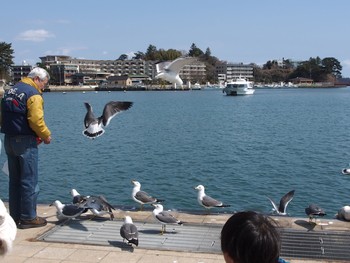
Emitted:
pixel 66 70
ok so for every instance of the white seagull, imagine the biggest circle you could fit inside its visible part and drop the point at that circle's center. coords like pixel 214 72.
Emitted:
pixel 142 197
pixel 128 231
pixel 94 126
pixel 282 208
pixel 169 71
pixel 344 213
pixel 207 201
pixel 164 217
pixel 65 211
pixel 8 230
pixel 346 171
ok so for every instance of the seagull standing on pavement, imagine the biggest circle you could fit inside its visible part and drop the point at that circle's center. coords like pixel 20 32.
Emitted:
pixel 128 232
pixel 344 213
pixel 142 197
pixel 282 208
pixel 164 217
pixel 94 126
pixel 205 200
pixel 98 205
pixel 65 211
pixel 314 211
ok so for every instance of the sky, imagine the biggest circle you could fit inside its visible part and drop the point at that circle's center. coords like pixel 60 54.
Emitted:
pixel 249 31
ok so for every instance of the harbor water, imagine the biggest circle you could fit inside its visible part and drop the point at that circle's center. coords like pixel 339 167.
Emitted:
pixel 242 149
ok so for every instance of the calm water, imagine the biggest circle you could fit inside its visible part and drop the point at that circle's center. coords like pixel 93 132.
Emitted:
pixel 241 149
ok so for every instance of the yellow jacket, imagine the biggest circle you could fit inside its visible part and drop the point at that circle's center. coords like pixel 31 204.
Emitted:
pixel 35 107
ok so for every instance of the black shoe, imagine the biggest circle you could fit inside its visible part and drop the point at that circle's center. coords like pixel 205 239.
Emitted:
pixel 36 222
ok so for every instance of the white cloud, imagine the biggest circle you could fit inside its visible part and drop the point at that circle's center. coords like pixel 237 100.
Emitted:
pixel 35 35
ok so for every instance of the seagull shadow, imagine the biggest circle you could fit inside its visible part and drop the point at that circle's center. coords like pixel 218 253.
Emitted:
pixel 156 232
pixel 305 224
pixel 122 245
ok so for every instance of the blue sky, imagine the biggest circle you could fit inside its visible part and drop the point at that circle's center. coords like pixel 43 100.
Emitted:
pixel 235 31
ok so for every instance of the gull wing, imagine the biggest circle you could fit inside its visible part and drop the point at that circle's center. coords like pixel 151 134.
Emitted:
pixel 112 108
pixel 166 218
pixel 89 116
pixel 285 201
pixel 179 63
pixel 144 197
pixel 210 202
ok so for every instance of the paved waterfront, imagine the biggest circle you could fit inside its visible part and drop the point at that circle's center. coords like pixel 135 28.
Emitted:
pixel 27 248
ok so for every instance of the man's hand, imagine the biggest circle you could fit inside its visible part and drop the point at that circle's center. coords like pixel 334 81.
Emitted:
pixel 47 140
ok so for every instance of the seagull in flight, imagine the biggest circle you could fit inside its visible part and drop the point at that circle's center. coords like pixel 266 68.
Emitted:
pixel 142 197
pixel 128 231
pixel 282 208
pixel 169 71
pixel 206 201
pixel 164 217
pixel 94 126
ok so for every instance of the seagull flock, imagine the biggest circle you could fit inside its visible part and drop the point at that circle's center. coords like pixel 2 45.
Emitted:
pixel 99 206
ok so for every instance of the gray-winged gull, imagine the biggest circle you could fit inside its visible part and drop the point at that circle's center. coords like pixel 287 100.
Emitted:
pixel 94 126
pixel 128 231
pixel 164 217
pixel 65 211
pixel 142 197
pixel 314 211
pixel 207 201
pixel 8 230
pixel 169 71
pixel 98 205
pixel 282 208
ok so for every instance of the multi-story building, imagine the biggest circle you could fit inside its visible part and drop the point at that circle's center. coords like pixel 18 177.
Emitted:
pixel 19 71
pixel 232 71
pixel 66 70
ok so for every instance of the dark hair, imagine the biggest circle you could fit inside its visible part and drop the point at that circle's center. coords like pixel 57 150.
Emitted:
pixel 250 237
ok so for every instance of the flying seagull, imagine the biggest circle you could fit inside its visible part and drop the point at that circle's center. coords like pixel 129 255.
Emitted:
pixel 282 208
pixel 164 217
pixel 98 205
pixel 142 197
pixel 94 126
pixel 66 211
pixel 169 71
pixel 206 201
pixel 128 232
pixel 314 211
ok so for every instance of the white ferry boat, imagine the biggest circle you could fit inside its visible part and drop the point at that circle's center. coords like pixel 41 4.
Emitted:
pixel 239 87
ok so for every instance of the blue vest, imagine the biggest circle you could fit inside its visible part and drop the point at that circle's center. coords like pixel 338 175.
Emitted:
pixel 14 110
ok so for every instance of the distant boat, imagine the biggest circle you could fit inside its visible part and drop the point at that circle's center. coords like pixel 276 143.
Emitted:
pixel 239 87
pixel 196 86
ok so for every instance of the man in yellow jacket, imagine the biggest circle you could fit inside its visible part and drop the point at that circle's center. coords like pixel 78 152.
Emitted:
pixel 22 122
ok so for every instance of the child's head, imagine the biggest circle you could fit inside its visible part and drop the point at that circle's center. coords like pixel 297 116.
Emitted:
pixel 250 237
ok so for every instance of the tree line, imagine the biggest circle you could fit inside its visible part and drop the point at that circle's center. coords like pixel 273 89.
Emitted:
pixel 317 69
